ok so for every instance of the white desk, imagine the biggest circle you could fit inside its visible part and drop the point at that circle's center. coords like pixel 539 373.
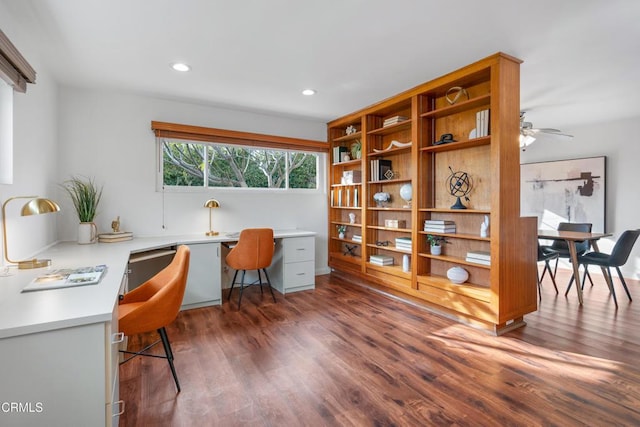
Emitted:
pixel 58 348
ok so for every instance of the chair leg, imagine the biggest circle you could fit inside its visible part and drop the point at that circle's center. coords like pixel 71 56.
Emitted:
pixel 553 278
pixel 569 286
pixel 589 276
pixel 264 270
pixel 167 349
pixel 539 287
pixel 613 291
pixel 241 288
pixel 623 283
pixel 260 282
pixel 235 275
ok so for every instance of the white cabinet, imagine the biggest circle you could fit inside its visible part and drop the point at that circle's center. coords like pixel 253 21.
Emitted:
pixel 293 266
pixel 66 376
pixel 204 280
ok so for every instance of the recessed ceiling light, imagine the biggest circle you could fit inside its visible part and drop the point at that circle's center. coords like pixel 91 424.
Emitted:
pixel 179 66
pixel 308 92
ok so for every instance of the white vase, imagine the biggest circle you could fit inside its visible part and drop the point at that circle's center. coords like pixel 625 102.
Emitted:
pixel 87 233
pixel 341 235
pixel 457 275
pixel 436 249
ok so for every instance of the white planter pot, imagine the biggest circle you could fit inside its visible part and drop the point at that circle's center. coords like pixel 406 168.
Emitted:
pixel 87 233
pixel 436 250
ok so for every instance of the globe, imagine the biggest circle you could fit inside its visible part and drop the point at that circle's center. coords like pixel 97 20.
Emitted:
pixel 406 193
pixel 459 186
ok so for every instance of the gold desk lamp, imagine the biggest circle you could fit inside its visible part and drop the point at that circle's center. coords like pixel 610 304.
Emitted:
pixel 211 204
pixel 35 206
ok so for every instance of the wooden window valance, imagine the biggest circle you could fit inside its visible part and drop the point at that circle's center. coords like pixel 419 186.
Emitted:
pixel 223 136
pixel 14 69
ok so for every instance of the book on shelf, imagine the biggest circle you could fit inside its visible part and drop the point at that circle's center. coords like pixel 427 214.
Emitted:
pixel 393 120
pixel 482 123
pixel 404 248
pixel 438 222
pixel 383 167
pixel 337 153
pixel 478 261
pixel 356 238
pixel 448 229
pixel 66 278
pixel 381 260
pixel 403 243
pixel 483 255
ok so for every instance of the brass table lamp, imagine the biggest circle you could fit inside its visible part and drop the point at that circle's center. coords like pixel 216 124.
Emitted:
pixel 35 206
pixel 211 204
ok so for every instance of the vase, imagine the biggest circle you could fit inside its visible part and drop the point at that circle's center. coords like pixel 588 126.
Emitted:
pixel 457 275
pixel 436 249
pixel 341 235
pixel 87 233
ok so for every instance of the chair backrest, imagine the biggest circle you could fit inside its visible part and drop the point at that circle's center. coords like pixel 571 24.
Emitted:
pixel 622 248
pixel 156 303
pixel 253 251
pixel 581 247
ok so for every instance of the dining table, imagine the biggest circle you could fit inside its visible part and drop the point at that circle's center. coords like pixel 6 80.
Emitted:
pixel 572 238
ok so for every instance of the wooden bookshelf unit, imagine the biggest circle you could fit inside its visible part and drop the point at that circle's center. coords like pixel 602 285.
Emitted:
pixel 399 134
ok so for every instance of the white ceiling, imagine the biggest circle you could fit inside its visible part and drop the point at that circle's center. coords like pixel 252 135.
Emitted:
pixel 581 57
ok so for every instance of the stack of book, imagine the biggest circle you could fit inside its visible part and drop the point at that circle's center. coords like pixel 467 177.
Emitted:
pixel 381 260
pixel 479 257
pixel 357 238
pixel 379 168
pixel 439 226
pixel 118 236
pixel 337 153
pixel 482 123
pixel 393 120
pixel 403 243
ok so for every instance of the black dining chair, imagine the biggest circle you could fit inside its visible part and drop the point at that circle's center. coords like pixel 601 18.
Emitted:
pixel 546 255
pixel 562 248
pixel 618 257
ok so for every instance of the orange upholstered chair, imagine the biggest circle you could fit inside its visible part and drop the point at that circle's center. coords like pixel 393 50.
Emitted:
pixel 254 251
pixel 154 305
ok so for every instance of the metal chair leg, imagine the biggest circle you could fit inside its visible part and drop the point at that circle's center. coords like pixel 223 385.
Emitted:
pixel 553 278
pixel 613 291
pixel 269 282
pixel 624 284
pixel 260 282
pixel 167 349
pixel 539 287
pixel 232 283
pixel 241 288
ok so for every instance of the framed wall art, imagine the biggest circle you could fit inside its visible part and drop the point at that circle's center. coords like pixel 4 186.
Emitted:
pixel 565 191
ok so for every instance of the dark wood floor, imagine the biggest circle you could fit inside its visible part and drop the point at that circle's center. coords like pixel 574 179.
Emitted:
pixel 346 355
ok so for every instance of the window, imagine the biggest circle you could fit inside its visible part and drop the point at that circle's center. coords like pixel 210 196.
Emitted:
pixel 199 157
pixel 193 164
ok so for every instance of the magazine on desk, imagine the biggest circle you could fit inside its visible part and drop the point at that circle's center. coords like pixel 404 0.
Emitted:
pixel 67 277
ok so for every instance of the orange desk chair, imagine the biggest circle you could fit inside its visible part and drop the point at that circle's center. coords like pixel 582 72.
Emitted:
pixel 154 305
pixel 254 251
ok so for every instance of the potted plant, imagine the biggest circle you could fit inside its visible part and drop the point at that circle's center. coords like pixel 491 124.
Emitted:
pixel 436 243
pixel 85 196
pixel 356 149
pixel 341 230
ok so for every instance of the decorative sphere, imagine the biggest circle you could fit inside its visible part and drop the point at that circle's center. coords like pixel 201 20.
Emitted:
pixel 406 192
pixel 457 274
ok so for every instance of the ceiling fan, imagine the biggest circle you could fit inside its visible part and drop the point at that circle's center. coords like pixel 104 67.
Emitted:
pixel 528 133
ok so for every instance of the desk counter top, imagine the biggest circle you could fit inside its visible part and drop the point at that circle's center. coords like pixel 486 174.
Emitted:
pixel 31 312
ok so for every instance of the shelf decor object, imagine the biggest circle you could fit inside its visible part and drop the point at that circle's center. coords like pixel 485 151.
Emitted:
pixel 35 206
pixel 459 186
pixel 211 204
pixel 467 119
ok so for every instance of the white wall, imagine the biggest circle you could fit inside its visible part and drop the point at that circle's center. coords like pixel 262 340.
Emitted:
pixel 617 141
pixel 107 136
pixel 34 151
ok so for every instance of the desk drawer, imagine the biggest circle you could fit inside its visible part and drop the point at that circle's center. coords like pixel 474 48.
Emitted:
pixel 299 274
pixel 298 249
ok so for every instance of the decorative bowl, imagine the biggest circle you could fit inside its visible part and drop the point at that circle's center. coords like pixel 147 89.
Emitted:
pixel 457 275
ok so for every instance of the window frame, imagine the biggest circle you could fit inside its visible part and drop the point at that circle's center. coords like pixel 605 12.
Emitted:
pixel 213 136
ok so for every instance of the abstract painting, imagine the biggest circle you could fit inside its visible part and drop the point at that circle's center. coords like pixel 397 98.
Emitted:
pixel 564 191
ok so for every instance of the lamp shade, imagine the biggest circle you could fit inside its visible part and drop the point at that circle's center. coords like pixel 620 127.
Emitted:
pixel 211 203
pixel 39 206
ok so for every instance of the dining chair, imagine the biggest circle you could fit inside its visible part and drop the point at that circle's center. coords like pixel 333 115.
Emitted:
pixel 618 257
pixel 562 248
pixel 546 255
pixel 154 305
pixel 254 251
